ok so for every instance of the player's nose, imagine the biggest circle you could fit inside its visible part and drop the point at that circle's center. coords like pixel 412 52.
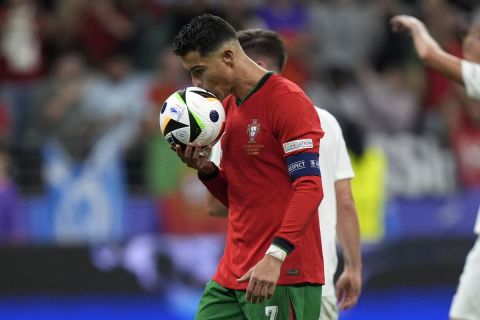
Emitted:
pixel 196 82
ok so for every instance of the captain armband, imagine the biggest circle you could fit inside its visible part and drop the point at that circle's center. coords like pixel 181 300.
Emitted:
pixel 303 164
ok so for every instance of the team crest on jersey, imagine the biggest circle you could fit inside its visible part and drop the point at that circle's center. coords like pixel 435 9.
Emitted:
pixel 253 129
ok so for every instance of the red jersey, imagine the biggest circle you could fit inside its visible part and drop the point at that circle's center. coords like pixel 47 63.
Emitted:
pixel 270 181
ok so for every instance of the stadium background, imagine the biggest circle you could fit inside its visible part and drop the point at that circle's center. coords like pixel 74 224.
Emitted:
pixel 99 219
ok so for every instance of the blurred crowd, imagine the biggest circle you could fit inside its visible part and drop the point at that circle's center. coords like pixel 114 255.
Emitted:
pixel 82 83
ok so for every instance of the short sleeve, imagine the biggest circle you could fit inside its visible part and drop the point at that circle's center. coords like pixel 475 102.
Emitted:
pixel 343 169
pixel 471 78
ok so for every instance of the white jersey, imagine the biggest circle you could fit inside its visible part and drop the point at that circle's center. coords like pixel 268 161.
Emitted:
pixel 334 165
pixel 471 79
pixel 216 153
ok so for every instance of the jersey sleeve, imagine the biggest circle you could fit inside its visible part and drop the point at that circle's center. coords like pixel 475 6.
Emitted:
pixel 471 78
pixel 296 126
pixel 216 184
pixel 343 168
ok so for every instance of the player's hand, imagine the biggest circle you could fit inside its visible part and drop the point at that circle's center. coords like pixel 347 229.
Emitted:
pixel 348 288
pixel 262 278
pixel 404 23
pixel 196 157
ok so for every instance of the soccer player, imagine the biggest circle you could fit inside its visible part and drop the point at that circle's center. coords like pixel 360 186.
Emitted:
pixel 272 267
pixel 337 210
pixel 467 72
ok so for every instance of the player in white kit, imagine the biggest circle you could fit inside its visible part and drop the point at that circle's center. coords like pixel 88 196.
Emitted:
pixel 466 302
pixel 337 210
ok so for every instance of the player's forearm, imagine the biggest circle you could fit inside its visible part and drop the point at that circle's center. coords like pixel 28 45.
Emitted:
pixel 433 55
pixel 216 184
pixel 348 232
pixel 301 211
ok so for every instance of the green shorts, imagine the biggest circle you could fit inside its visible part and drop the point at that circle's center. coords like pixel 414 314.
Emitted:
pixel 219 303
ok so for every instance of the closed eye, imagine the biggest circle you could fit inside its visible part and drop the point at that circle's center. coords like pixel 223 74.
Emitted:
pixel 197 71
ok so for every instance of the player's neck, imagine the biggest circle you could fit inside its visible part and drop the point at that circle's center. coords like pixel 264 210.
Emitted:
pixel 247 77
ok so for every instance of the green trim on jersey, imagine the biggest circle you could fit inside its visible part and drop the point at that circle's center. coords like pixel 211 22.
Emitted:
pixel 255 88
pixel 219 303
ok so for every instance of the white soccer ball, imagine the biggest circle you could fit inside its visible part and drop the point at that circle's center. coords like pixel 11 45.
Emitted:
pixel 192 115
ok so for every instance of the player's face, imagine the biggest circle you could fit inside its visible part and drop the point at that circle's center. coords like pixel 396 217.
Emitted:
pixel 471 44
pixel 212 72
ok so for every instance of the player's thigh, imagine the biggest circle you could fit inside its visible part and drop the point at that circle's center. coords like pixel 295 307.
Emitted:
pixel 218 303
pixel 329 310
pixel 303 301
pixel 306 301
pixel 465 301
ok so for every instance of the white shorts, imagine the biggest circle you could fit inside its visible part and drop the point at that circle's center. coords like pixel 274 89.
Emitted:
pixel 329 309
pixel 466 301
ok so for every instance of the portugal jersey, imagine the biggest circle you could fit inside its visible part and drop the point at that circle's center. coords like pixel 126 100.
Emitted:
pixel 269 179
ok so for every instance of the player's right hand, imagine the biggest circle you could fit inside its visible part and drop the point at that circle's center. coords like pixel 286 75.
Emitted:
pixel 262 279
pixel 196 157
pixel 402 23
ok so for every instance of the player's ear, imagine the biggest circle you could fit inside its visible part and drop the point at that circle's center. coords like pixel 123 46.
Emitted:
pixel 227 57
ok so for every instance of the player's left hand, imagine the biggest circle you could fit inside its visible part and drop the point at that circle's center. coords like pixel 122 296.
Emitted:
pixel 348 288
pixel 196 157
pixel 263 279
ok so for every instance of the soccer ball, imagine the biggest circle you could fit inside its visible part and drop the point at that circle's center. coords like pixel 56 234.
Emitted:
pixel 192 115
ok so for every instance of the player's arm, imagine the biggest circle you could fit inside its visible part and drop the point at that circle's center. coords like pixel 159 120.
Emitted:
pixel 349 284
pixel 427 48
pixel 298 130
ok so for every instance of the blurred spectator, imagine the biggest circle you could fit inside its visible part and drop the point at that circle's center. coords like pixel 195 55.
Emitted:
pixel 153 31
pixel 347 33
pixel 392 101
pixel 115 102
pixel 13 221
pixel 4 123
pixel 21 59
pixel 58 108
pixel 106 29
pixel 289 18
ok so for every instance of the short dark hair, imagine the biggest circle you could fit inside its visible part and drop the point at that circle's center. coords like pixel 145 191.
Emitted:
pixel 204 34
pixel 265 43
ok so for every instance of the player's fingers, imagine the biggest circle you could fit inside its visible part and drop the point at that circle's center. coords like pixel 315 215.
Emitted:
pixel 206 152
pixel 188 151
pixel 196 151
pixel 250 288
pixel 257 291
pixel 180 153
pixel 349 301
pixel 271 290
pixel 264 293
